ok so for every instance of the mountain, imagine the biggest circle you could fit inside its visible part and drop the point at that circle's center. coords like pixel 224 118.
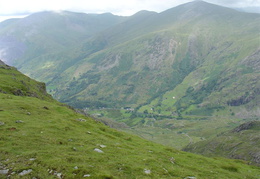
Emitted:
pixel 49 32
pixel 243 142
pixel 206 50
pixel 250 9
pixel 42 138
pixel 195 52
pixel 176 77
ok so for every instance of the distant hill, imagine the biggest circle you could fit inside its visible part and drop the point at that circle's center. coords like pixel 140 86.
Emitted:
pixel 192 52
pixel 198 53
pixel 243 142
pixel 24 39
pixel 42 138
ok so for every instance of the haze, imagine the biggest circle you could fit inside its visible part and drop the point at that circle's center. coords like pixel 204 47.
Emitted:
pixel 14 8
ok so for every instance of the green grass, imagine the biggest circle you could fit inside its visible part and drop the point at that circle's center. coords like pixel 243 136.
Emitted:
pixel 13 82
pixel 232 144
pixel 58 142
pixel 147 60
pixel 48 138
pixel 200 61
pixel 170 130
pixel 51 135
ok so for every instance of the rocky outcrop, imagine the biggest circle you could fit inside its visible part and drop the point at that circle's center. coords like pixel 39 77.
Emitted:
pixel 240 143
pixel 247 126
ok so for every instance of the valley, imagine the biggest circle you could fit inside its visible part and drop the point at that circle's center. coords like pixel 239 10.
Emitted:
pixel 168 130
pixel 184 78
pixel 43 138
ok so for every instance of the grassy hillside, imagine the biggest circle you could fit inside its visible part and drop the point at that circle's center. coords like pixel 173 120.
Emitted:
pixel 166 129
pixel 13 82
pixel 43 138
pixel 194 76
pixel 176 77
pixel 195 53
pixel 243 142
pixel 192 58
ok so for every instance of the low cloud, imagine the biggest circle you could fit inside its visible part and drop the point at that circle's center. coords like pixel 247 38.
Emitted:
pixel 236 3
pixel 118 7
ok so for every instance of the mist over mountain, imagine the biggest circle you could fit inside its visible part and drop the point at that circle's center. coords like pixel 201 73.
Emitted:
pixel 49 32
pixel 249 9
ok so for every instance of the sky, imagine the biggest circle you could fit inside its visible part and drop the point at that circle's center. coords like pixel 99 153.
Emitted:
pixel 21 8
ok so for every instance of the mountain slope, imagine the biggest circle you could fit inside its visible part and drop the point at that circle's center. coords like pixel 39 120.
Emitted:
pixel 144 58
pixel 197 42
pixel 243 142
pixel 13 82
pixel 176 77
pixel 45 139
pixel 49 32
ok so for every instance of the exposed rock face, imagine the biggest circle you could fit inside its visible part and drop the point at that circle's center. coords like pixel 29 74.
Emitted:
pixel 252 61
pixel 240 143
pixel 246 126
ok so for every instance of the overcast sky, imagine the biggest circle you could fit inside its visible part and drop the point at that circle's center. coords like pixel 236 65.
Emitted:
pixel 14 8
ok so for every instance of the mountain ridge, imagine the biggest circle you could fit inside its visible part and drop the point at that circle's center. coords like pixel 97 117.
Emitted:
pixel 60 29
